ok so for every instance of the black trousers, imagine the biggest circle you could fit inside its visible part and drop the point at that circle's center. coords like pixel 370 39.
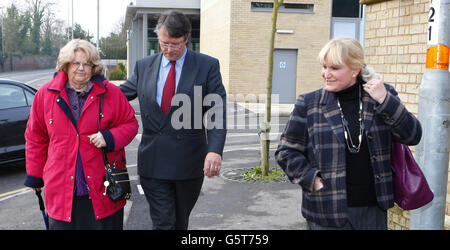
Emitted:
pixel 359 218
pixel 170 201
pixel 83 218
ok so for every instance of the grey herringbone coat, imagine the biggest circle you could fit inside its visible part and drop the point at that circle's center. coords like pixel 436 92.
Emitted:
pixel 313 142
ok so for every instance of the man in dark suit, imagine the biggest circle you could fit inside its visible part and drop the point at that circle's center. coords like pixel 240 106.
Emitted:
pixel 177 149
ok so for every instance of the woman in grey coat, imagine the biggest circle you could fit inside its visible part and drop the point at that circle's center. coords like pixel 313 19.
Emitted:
pixel 337 142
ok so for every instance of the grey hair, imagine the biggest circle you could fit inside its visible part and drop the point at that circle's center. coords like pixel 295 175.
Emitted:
pixel 67 54
pixel 176 23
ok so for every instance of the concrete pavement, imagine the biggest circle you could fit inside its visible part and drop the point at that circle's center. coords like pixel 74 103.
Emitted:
pixel 226 204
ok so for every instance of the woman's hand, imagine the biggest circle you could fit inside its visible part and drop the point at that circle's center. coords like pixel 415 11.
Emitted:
pixel 318 183
pixel 97 139
pixel 376 89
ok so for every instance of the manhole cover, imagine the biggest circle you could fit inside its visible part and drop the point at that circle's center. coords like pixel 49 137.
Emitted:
pixel 237 174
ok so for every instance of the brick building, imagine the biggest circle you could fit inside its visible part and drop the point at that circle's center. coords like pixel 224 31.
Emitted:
pixel 396 45
pixel 237 32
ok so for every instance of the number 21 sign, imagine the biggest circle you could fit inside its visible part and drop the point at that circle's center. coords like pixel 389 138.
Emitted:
pixel 433 22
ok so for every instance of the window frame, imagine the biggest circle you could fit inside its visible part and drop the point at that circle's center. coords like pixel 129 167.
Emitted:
pixel 283 9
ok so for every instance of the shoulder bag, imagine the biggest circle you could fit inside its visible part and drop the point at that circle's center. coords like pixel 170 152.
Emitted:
pixel 411 189
pixel 116 180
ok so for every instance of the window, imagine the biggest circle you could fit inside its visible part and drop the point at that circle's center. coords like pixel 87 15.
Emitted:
pixel 346 8
pixel 153 46
pixel 30 97
pixel 261 6
pixel 297 7
pixel 286 7
pixel 11 97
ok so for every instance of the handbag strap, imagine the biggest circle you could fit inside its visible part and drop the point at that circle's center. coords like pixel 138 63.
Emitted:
pixel 100 116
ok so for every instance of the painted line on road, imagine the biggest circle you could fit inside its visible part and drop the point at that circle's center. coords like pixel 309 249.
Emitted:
pixel 230 135
pixel 126 211
pixel 14 193
pixel 25 73
pixel 141 191
pixel 247 147
pixel 138 137
pixel 39 79
pixel 25 190
pixel 253 125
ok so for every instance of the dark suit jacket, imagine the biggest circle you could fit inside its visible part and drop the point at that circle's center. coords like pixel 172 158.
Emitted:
pixel 166 152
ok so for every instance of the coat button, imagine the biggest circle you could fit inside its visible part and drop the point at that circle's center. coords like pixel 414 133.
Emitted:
pixel 378 177
pixel 71 177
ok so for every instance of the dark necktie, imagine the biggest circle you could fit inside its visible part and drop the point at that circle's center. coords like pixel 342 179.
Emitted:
pixel 169 89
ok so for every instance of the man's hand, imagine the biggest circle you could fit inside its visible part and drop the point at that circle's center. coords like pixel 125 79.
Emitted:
pixel 213 163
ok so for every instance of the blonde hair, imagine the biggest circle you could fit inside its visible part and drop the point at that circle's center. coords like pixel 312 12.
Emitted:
pixel 348 51
pixel 67 54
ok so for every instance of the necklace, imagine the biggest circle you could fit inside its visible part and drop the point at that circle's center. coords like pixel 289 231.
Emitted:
pixel 354 149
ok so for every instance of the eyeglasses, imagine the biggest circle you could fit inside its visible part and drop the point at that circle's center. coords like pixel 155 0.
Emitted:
pixel 77 64
pixel 177 45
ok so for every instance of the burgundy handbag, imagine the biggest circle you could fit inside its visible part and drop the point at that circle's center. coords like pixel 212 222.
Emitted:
pixel 411 189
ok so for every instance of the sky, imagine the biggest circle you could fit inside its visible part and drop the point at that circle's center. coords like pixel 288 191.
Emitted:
pixel 85 13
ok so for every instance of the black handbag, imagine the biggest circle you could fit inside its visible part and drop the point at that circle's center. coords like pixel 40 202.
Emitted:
pixel 116 180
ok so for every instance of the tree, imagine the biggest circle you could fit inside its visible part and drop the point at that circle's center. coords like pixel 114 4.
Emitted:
pixel 2 49
pixel 47 29
pixel 25 43
pixel 115 45
pixel 36 8
pixel 80 33
pixel 265 125
pixel 11 25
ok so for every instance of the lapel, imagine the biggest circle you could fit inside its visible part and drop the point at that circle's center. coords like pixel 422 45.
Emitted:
pixel 332 114
pixel 368 110
pixel 153 77
pixel 188 74
pixel 57 85
pixel 153 73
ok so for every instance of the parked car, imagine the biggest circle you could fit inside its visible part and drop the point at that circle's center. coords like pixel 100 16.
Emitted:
pixel 15 103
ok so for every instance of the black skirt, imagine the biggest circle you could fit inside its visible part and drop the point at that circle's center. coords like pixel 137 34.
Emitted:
pixel 83 218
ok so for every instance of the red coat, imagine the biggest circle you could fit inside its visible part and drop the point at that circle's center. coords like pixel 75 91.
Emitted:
pixel 52 143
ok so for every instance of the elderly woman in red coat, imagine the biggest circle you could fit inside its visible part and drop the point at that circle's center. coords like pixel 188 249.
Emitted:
pixel 64 141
